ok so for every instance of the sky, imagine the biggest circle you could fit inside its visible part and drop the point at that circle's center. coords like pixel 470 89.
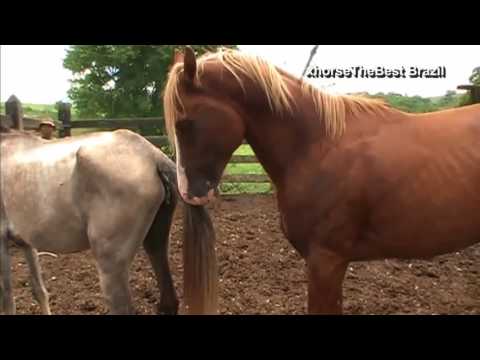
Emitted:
pixel 35 74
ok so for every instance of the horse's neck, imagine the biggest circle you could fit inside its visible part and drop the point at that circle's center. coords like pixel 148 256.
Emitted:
pixel 278 141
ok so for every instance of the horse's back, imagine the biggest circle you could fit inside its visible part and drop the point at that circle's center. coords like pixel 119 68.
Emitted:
pixel 124 162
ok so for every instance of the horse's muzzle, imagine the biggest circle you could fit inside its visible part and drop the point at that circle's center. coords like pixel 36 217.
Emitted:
pixel 199 201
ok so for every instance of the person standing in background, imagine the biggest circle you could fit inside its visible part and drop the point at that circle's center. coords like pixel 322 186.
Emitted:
pixel 46 128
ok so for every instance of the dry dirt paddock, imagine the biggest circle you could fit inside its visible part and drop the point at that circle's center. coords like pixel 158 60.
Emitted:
pixel 261 274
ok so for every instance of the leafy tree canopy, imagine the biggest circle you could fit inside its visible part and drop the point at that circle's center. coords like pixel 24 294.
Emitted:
pixel 475 77
pixel 417 104
pixel 121 80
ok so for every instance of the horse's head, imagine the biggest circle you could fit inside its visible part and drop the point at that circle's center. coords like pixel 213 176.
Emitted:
pixel 205 128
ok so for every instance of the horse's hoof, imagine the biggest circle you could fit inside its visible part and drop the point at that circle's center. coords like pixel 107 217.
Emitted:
pixel 167 309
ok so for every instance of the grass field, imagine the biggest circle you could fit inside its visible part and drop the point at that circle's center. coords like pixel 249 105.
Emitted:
pixel 37 110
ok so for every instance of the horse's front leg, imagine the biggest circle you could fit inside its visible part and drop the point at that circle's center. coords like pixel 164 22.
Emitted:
pixel 326 271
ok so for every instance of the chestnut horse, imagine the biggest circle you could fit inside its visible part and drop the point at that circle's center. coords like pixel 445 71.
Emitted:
pixel 355 179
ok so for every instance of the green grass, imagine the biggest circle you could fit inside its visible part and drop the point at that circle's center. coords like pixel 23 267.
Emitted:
pixel 38 110
pixel 242 188
pixel 247 168
pixel 244 149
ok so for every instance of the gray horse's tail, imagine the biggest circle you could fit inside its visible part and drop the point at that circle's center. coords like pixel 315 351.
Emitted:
pixel 199 257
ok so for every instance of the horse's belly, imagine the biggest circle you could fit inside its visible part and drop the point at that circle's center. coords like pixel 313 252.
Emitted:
pixel 63 233
pixel 51 223
pixel 425 245
pixel 428 231
pixel 435 210
pixel 61 240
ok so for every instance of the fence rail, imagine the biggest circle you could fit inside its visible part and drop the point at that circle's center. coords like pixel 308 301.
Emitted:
pixel 117 123
pixel 158 140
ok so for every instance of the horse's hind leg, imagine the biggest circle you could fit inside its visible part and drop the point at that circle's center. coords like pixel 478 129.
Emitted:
pixel 38 287
pixel 5 271
pixel 112 265
pixel 156 246
pixel 1 288
pixel 2 293
pixel 114 284
pixel 3 237
pixel 114 242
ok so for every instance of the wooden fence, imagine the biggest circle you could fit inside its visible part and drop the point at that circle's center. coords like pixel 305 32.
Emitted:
pixel 14 116
pixel 474 92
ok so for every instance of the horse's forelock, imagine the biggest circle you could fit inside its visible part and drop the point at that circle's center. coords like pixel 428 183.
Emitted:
pixel 172 103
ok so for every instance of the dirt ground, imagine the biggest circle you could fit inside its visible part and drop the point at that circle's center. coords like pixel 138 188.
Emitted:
pixel 260 273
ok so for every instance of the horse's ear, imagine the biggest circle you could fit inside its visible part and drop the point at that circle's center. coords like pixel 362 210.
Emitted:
pixel 177 56
pixel 190 64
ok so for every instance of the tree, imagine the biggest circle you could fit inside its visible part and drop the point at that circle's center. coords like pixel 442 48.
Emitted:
pixel 418 104
pixel 475 77
pixel 120 80
pixel 450 99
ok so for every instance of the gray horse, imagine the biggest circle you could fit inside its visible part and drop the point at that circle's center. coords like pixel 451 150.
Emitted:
pixel 108 192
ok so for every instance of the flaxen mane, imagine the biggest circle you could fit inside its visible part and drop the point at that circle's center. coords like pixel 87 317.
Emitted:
pixel 332 109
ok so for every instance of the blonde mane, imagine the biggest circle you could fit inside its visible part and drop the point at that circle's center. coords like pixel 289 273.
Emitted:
pixel 332 109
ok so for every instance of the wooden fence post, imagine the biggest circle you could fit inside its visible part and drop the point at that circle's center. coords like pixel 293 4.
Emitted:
pixel 14 110
pixel 65 117
pixel 476 94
